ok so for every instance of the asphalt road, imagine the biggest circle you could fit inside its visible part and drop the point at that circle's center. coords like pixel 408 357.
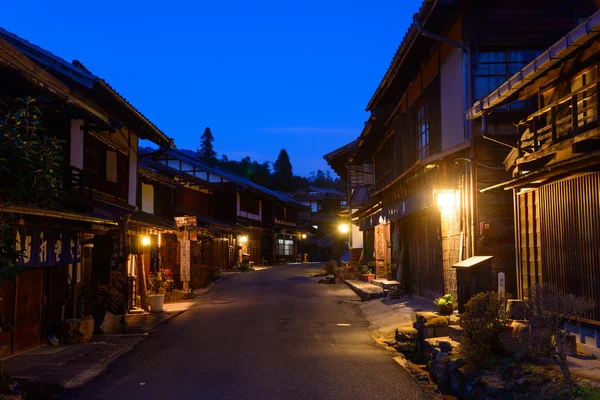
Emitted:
pixel 270 334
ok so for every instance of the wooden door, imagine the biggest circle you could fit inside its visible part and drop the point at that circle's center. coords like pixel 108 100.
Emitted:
pixel 28 309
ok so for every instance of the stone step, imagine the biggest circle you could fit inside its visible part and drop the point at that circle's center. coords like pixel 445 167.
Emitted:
pixel 136 311
pixel 456 332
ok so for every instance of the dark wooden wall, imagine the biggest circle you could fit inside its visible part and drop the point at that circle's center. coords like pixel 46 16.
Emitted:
pixel 495 207
pixel 569 213
pixel 193 201
pixel 523 23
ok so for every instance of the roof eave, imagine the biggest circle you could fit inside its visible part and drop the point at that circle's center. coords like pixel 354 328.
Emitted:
pixel 555 54
pixel 155 134
pixel 401 53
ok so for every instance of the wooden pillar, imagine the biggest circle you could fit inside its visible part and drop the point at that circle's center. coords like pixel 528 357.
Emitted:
pixel 142 277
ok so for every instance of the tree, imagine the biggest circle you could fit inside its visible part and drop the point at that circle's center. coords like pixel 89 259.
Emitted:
pixel 282 171
pixel 34 164
pixel 206 152
pixel 546 306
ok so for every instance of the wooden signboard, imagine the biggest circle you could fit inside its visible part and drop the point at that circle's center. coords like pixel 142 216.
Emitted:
pixel 184 269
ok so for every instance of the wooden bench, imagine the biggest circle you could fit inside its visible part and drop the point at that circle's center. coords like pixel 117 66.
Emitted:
pixel 388 286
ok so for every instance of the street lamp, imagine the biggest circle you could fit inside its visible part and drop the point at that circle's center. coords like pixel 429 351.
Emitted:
pixel 343 228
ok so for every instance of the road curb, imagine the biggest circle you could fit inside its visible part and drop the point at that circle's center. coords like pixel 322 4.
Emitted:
pixel 206 290
pixel 165 322
pixel 422 380
pixel 91 373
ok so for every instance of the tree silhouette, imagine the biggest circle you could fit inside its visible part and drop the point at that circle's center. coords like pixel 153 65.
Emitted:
pixel 282 171
pixel 206 152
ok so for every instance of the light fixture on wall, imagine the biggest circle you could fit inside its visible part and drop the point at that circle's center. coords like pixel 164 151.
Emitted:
pixel 244 239
pixel 303 236
pixel 383 220
pixel 145 240
pixel 343 228
pixel 447 199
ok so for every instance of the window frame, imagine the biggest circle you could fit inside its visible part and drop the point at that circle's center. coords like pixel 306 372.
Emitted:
pixel 422 129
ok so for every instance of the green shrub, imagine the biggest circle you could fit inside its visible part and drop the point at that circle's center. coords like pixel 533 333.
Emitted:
pixel 483 322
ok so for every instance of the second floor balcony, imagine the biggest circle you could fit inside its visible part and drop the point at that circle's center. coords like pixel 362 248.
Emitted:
pixel 572 119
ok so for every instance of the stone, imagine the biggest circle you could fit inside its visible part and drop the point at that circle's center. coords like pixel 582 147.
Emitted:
pixel 437 321
pixel 406 346
pixel 441 331
pixel 456 332
pixel 428 332
pixel 453 320
pixel 406 333
pixel 425 316
pixel 75 331
pixel 455 383
pixel 107 322
pixel 445 346
pixel 515 309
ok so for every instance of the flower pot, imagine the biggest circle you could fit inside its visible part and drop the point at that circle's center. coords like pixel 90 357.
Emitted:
pixel 156 302
pixel 445 309
pixel 368 277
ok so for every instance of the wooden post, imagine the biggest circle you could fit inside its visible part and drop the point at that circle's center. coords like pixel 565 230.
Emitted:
pixel 141 271
pixel 574 122
pixel 535 134
pixel 553 112
pixel 597 103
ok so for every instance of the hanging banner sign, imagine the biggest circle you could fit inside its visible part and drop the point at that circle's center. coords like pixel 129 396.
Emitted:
pixel 45 247
pixel 188 220
pixel 184 268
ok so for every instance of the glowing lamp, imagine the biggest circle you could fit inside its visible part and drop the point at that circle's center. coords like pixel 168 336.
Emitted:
pixel 343 228
pixel 446 199
pixel 304 236
pixel 243 239
pixel 145 240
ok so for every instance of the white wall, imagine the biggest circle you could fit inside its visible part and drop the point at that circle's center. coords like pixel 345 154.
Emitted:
pixel 77 151
pixel 133 169
pixel 451 96
pixel 356 236
pixel 214 178
pixel 147 198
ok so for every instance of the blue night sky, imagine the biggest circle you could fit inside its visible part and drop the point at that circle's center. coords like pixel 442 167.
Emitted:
pixel 264 75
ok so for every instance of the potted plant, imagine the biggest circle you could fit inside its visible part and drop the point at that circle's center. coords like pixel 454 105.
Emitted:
pixel 367 275
pixel 158 282
pixel 109 304
pixel 444 305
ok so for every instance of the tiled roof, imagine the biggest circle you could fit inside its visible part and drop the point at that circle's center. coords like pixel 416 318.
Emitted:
pixel 328 191
pixel 404 46
pixel 235 178
pixel 76 72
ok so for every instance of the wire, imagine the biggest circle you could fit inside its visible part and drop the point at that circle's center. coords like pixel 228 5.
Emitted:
pixel 478 163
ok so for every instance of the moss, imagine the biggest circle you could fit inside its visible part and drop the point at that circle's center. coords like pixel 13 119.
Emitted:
pixel 437 321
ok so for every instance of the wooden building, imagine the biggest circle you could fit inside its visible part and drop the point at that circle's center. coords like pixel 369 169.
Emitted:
pixel 425 212
pixel 248 218
pixel 359 179
pixel 324 211
pixel 72 249
pixel 555 164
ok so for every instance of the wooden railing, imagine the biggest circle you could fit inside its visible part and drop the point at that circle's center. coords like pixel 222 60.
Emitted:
pixel 559 121
pixel 78 183
pixel 381 182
